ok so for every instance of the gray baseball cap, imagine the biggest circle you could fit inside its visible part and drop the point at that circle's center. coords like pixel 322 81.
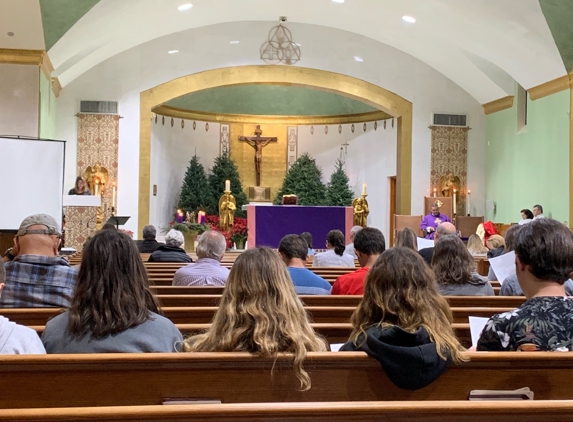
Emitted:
pixel 52 227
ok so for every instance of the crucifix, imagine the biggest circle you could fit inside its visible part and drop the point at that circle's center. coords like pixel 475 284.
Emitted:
pixel 343 152
pixel 258 142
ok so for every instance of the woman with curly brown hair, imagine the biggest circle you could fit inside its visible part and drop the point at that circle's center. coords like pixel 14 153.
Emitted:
pixel 455 269
pixel 260 313
pixel 403 322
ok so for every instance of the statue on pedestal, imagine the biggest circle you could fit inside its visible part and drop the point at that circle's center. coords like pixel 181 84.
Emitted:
pixel 97 177
pixel 448 183
pixel 227 208
pixel 361 211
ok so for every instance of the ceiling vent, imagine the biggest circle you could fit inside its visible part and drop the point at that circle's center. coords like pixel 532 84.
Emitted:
pixel 450 119
pixel 98 107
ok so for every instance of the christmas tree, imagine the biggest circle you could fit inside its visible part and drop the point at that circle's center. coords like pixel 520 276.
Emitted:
pixel 195 188
pixel 304 179
pixel 338 193
pixel 225 169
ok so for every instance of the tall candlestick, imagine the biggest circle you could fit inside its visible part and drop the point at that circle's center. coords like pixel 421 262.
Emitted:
pixel 228 185
pixel 97 187
pixel 113 195
pixel 364 189
pixel 469 202
pixel 435 193
pixel 455 211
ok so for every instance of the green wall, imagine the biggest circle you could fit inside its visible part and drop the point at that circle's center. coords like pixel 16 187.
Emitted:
pixel 530 167
pixel 47 109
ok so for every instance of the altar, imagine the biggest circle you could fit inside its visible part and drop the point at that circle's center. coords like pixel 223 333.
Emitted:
pixel 269 224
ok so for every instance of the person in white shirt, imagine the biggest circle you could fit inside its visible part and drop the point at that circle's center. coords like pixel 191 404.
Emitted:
pixel 526 217
pixel 350 247
pixel 538 212
pixel 334 256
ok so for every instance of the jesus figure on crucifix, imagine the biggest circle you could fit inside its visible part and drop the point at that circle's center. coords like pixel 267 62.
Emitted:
pixel 258 142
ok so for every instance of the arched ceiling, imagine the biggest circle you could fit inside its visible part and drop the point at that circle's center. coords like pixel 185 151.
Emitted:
pixel 473 43
pixel 270 100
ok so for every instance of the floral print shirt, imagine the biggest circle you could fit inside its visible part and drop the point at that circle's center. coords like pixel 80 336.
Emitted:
pixel 544 322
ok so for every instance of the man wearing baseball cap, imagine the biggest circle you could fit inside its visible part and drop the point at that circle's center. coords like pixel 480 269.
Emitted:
pixel 35 275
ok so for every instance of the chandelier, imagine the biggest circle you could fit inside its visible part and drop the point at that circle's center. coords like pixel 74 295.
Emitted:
pixel 280 47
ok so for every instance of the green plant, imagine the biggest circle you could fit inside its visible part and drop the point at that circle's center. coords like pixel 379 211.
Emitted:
pixel 195 187
pixel 338 192
pixel 187 227
pixel 304 179
pixel 225 169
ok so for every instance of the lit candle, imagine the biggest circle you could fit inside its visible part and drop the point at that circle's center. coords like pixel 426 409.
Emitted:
pixel 228 185
pixel 179 216
pixel 97 187
pixel 455 211
pixel 113 195
pixel 435 193
pixel 469 202
pixel 364 189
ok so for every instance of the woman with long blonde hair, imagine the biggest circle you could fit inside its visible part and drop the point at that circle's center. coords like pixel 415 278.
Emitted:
pixel 404 322
pixel 260 313
pixel 476 246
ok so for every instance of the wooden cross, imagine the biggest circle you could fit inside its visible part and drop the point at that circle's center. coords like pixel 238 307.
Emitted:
pixel 258 142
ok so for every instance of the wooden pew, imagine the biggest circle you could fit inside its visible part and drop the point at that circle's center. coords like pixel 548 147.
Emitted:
pixel 426 411
pixel 43 381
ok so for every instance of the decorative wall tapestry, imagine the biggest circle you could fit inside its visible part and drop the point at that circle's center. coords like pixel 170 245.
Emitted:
pixel 292 151
pixel 224 140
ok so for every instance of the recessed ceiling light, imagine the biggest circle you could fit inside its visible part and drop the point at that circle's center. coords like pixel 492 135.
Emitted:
pixel 185 7
pixel 408 19
pixel 298 44
pixel 172 51
pixel 338 1
pixel 358 59
pixel 235 42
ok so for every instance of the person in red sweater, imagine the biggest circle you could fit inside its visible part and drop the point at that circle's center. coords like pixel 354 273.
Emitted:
pixel 369 243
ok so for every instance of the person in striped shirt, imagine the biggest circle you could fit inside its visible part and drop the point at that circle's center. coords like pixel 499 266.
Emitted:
pixel 207 271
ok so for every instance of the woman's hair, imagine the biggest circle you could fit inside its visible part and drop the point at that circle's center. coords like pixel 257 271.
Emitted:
pixel 112 290
pixel 475 245
pixel 174 238
pixel 308 238
pixel 336 239
pixel 511 237
pixel 260 313
pixel 80 179
pixel 452 262
pixel 495 241
pixel 527 213
pixel 400 290
pixel 406 238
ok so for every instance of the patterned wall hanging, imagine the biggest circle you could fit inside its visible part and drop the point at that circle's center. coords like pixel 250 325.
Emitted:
pixel 292 149
pixel 224 140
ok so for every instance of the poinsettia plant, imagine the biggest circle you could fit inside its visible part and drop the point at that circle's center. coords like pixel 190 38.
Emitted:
pixel 239 231
pixel 236 233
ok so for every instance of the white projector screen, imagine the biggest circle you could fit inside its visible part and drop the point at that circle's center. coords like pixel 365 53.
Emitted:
pixel 32 176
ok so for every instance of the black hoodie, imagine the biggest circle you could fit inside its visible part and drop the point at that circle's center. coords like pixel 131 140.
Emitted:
pixel 410 360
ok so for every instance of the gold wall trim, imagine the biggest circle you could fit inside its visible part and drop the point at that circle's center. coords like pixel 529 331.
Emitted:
pixel 16 56
pixel 549 88
pixel 345 85
pixel 498 105
pixel 46 65
pixel 56 86
pixel 180 113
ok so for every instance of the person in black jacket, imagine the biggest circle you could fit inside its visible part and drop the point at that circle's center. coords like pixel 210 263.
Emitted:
pixel 148 244
pixel 403 322
pixel 171 251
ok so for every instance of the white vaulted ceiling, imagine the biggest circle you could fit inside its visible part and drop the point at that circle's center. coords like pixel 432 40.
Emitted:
pixel 478 44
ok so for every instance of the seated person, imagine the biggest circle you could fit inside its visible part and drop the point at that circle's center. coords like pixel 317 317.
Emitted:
pixel 369 243
pixel 496 245
pixel 455 269
pixel 35 275
pixel 526 217
pixel 207 271
pixel 442 230
pixel 350 247
pixel 308 237
pixel 149 244
pixel 16 339
pixel 334 256
pixel 406 238
pixel 403 322
pixel 113 310
pixel 543 262
pixel 476 246
pixel 260 313
pixel 171 251
pixel 431 221
pixel 80 188
pixel 293 251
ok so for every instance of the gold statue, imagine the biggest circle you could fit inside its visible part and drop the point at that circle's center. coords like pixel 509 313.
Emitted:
pixel 96 178
pixel 361 211
pixel 227 208
pixel 448 183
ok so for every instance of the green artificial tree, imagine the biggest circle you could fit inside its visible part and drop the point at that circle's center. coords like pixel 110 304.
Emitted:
pixel 225 169
pixel 338 193
pixel 195 188
pixel 304 179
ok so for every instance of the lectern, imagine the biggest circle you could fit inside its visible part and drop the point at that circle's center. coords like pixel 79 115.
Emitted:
pixel 81 218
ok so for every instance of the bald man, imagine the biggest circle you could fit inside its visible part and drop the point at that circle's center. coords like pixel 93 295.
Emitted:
pixel 35 275
pixel 442 230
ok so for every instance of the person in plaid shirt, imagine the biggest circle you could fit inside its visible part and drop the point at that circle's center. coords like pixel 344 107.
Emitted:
pixel 35 275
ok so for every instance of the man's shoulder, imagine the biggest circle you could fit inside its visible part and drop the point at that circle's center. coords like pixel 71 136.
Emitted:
pixel 426 251
pixel 358 274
